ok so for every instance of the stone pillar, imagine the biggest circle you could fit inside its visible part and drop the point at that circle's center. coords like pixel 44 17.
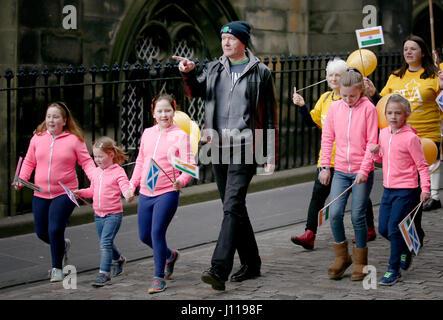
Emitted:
pixel 8 59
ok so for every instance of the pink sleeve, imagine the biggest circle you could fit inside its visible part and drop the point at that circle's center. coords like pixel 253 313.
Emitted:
pixel 328 138
pixel 123 181
pixel 185 154
pixel 138 167
pixel 416 151
pixel 29 162
pixel 372 136
pixel 84 159
pixel 87 192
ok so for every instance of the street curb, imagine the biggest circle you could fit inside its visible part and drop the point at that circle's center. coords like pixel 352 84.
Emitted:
pixel 23 224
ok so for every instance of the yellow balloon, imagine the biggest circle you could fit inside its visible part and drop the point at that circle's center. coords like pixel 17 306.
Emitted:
pixel 429 149
pixel 195 137
pixel 183 121
pixel 369 61
pixel 381 106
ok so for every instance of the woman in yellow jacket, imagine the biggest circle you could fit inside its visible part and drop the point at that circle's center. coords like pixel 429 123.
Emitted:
pixel 334 69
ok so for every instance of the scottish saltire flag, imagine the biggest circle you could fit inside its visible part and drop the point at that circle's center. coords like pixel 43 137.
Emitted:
pixel 409 233
pixel 323 216
pixel 370 37
pixel 69 193
pixel 185 167
pixel 152 176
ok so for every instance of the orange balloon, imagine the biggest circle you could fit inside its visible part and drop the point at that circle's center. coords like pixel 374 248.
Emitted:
pixel 381 107
pixel 369 61
pixel 429 149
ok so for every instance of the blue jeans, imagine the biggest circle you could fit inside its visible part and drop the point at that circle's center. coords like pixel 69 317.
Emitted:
pixel 107 228
pixel 154 216
pixel 360 195
pixel 395 205
pixel 51 216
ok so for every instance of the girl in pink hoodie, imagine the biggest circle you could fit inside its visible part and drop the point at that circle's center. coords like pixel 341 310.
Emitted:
pixel 402 154
pixel 352 123
pixel 108 181
pixel 156 210
pixel 54 149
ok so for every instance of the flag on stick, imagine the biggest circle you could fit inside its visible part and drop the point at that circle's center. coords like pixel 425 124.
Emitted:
pixel 17 170
pixel 370 37
pixel 69 193
pixel 323 214
pixel 29 185
pixel 409 232
pixel 152 176
pixel 183 166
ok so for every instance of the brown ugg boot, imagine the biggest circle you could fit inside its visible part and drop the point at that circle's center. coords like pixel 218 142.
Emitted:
pixel 360 261
pixel 342 260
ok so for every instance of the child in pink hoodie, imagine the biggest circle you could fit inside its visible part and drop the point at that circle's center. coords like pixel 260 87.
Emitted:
pixel 54 149
pixel 402 154
pixel 156 210
pixel 352 123
pixel 108 181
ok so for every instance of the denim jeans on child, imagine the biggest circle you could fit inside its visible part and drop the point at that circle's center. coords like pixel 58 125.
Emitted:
pixel 395 205
pixel 360 194
pixel 107 228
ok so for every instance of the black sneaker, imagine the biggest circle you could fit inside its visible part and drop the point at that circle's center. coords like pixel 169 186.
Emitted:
pixel 405 260
pixel 211 277
pixel 432 204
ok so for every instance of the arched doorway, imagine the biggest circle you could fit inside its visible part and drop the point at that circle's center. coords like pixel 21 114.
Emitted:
pixel 421 25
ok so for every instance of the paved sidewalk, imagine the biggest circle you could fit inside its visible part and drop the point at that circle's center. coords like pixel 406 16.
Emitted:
pixel 288 272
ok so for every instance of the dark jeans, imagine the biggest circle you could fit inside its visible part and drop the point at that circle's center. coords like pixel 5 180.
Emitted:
pixel 51 216
pixel 395 205
pixel 236 231
pixel 320 193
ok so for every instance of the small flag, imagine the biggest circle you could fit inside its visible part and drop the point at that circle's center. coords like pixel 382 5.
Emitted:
pixel 323 216
pixel 185 167
pixel 69 193
pixel 152 176
pixel 409 233
pixel 370 37
pixel 29 185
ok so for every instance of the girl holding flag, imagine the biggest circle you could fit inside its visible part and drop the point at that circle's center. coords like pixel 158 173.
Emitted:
pixel 402 154
pixel 160 184
pixel 56 146
pixel 334 69
pixel 352 123
pixel 108 181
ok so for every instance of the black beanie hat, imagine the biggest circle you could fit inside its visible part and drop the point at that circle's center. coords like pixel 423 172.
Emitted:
pixel 239 29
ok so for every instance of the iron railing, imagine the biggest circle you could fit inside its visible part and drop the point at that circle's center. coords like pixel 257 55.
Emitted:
pixel 115 100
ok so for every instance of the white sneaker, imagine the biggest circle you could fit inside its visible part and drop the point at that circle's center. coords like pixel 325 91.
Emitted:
pixel 67 247
pixel 56 275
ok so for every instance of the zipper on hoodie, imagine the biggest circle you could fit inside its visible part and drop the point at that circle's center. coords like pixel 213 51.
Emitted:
pixel 100 192
pixel 389 156
pixel 349 142
pixel 49 164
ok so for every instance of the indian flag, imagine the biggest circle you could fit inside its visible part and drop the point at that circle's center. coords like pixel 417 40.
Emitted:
pixel 323 216
pixel 185 167
pixel 370 37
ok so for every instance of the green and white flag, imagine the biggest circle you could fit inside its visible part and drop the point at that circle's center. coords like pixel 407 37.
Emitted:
pixel 185 167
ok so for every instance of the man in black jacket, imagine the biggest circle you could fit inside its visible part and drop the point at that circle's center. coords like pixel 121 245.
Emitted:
pixel 240 119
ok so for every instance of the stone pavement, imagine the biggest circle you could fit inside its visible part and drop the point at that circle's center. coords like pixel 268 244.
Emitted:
pixel 288 272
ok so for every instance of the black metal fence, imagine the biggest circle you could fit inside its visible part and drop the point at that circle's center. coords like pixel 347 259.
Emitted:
pixel 115 101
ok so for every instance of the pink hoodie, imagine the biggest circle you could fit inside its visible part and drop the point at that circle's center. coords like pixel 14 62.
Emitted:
pixel 354 131
pixel 160 145
pixel 53 159
pixel 402 156
pixel 106 186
